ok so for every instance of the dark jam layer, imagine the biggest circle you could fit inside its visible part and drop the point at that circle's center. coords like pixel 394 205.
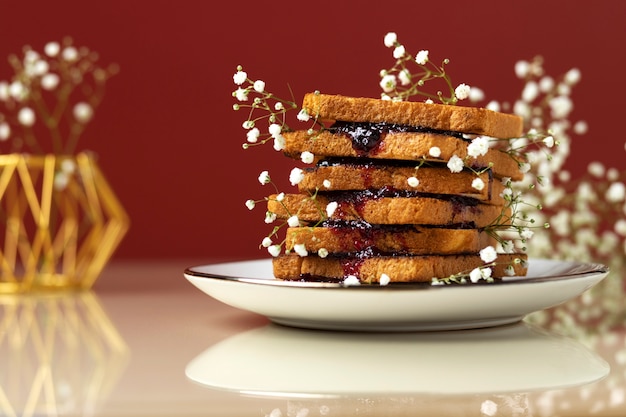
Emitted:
pixel 358 198
pixel 366 137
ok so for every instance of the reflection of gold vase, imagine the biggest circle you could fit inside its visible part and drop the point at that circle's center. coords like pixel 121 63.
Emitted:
pixel 60 354
pixel 60 222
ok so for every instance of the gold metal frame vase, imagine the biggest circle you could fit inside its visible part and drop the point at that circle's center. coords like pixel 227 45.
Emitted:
pixel 60 222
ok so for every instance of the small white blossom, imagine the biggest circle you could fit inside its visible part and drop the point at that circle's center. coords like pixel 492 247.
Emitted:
pixel 435 152
pixel 388 83
pixel 280 197
pixel 399 52
pixel 270 217
pixel 455 164
pixel 4 91
pixel 303 116
pixel 616 192
pixel 296 176
pixel 241 94
pixel 493 106
pixel 326 183
pixel 5 131
pixel 61 181
pixel 259 86
pixel 384 279
pixel 405 77
pixel 580 127
pixel 596 169
pixel 253 135
pixel 307 157
pixel 524 167
pixel 620 227
pixel 522 68
pixel 549 141
pixel 279 143
pixel 478 184
pixel 300 249
pixel 572 76
pixel 50 81
pixel 475 275
pixel 428 101
pixel 351 280
pixel 560 106
pixel 390 39
pixel 278 106
pixel 413 182
pixel 52 49
pixel 322 252
pixel 526 233
pixel 488 254
pixel 331 208
pixel 422 57
pixel 83 112
pixel 462 91
pixel 479 146
pixel 267 242
pixel 293 221
pixel 275 129
pixel 264 178
pixel 70 54
pixel 489 408
pixel 17 90
pixel 476 94
pixel 248 124
pixel 240 77
pixel 250 204
pixel 274 250
pixel 26 116
pixel 530 91
pixel 546 84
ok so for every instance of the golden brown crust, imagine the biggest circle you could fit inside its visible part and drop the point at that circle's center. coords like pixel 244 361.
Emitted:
pixel 397 268
pixel 472 120
pixel 405 146
pixel 387 210
pixel 432 180
pixel 408 240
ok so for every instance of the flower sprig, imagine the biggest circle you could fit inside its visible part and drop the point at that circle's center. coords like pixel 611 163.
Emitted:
pixel 401 82
pixel 263 106
pixel 57 90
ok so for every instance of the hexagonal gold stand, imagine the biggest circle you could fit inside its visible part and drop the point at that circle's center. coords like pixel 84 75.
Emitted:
pixel 60 222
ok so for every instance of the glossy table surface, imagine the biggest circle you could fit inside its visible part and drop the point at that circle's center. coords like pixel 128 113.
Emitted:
pixel 145 342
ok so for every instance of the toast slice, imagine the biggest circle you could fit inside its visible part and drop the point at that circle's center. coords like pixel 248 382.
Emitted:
pixel 397 268
pixel 348 176
pixel 472 120
pixel 374 209
pixel 403 146
pixel 345 238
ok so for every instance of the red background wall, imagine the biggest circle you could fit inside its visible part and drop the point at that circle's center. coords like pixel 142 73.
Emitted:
pixel 170 143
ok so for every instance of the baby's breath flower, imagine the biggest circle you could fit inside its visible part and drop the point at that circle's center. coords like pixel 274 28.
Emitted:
pixel 240 77
pixel 476 94
pixel 435 152
pixel 274 250
pixel 384 279
pixel 278 106
pixel 303 116
pixel 83 112
pixel 270 217
pixel 522 68
pixel 331 208
pixel 250 204
pixel 296 176
pixel 274 129
pixel 388 83
pixel 479 146
pixel 326 183
pixel 52 49
pixel 26 116
pixel 322 252
pixel 280 197
pixel 279 143
pixel 455 164
pixel 264 178
pixel 462 91
pixel 399 52
pixel 300 249
pixel 549 141
pixel 475 275
pixel 307 157
pixel 413 182
pixel 351 280
pixel 259 86
pixel 488 254
pixel 50 81
pixel 5 131
pixel 241 94
pixel 267 242
pixel 293 221
pixel 572 76
pixel 616 192
pixel 478 184
pixel 421 58
pixel 253 135
pixel 70 54
pixel 390 39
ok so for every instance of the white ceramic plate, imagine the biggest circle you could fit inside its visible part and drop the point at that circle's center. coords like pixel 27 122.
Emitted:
pixel 284 362
pixel 250 285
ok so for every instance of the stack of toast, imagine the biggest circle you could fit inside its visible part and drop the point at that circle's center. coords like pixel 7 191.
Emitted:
pixel 395 193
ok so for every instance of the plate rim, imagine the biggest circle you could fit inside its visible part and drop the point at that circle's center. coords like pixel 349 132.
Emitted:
pixel 588 269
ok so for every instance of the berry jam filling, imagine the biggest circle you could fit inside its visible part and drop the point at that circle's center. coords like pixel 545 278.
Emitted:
pixel 366 137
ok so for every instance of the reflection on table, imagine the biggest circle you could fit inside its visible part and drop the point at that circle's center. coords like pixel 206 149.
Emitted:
pixel 148 343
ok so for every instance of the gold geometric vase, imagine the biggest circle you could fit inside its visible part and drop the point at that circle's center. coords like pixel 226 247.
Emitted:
pixel 60 222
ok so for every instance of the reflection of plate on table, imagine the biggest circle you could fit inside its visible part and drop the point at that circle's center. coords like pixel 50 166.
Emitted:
pixel 285 362
pixel 250 285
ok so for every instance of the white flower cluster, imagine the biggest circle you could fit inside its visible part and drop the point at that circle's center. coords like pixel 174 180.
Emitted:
pixel 45 90
pixel 401 83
